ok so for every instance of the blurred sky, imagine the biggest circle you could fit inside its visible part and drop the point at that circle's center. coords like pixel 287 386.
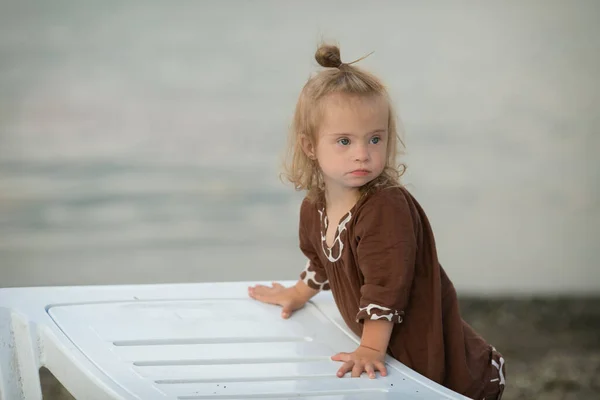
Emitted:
pixel 140 141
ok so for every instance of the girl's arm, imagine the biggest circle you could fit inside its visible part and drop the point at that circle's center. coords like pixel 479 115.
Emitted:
pixel 376 334
pixel 386 256
pixel 305 292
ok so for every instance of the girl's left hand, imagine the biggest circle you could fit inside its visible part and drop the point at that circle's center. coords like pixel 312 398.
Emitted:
pixel 362 359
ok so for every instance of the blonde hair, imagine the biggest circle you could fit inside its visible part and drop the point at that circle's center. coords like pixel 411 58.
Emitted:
pixel 340 78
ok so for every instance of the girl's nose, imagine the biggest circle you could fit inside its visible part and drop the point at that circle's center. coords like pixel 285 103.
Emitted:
pixel 361 153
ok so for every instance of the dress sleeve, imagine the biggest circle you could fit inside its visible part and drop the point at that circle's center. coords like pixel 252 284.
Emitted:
pixel 386 256
pixel 313 274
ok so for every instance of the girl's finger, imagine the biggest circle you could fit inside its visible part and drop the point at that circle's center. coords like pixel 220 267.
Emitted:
pixel 257 286
pixel 286 312
pixel 261 296
pixel 357 369
pixel 341 357
pixel 381 368
pixel 260 289
pixel 370 370
pixel 345 368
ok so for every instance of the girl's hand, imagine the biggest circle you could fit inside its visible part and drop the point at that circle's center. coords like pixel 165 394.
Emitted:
pixel 362 359
pixel 288 298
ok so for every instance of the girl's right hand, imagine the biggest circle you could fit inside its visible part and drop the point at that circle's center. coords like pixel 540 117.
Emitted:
pixel 288 298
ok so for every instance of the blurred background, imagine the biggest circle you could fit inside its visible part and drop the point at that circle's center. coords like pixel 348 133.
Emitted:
pixel 140 142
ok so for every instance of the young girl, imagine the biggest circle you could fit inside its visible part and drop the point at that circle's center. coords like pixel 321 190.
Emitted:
pixel 368 240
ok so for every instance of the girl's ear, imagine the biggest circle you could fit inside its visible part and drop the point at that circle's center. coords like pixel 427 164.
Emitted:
pixel 307 147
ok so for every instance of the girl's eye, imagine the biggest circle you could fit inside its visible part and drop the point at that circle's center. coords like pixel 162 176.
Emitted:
pixel 344 141
pixel 375 140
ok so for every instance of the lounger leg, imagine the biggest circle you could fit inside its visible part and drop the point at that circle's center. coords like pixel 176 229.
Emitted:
pixel 19 370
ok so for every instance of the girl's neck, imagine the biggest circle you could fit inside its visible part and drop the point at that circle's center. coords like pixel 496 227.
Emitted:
pixel 341 198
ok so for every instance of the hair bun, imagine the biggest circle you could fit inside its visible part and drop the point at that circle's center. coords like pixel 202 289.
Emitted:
pixel 328 56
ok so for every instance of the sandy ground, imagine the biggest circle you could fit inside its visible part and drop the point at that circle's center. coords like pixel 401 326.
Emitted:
pixel 552 346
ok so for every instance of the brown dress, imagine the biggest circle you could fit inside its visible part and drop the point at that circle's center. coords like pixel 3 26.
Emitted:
pixel 383 265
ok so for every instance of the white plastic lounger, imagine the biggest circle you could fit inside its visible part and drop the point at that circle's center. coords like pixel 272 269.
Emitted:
pixel 184 342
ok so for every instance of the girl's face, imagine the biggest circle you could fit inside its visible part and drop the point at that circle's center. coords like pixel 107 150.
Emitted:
pixel 352 140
